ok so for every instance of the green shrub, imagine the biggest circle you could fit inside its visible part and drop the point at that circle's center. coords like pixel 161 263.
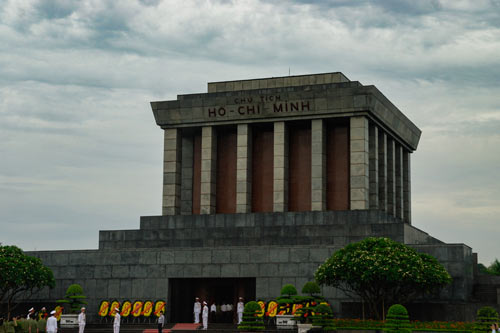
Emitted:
pixel 311 288
pixel 484 318
pixel 288 297
pixel 288 291
pixel 251 321
pixel 74 297
pixel 312 291
pixel 397 320
pixel 323 317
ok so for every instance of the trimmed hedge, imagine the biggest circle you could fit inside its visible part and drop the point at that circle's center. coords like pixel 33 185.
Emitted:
pixel 486 316
pixel 251 321
pixel 397 320
pixel 323 317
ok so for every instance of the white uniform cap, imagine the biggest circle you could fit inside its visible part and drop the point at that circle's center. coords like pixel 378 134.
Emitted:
pixel 53 312
pixel 204 302
pixel 32 309
pixel 82 308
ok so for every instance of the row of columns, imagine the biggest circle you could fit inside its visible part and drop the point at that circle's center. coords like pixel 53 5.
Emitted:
pixel 379 170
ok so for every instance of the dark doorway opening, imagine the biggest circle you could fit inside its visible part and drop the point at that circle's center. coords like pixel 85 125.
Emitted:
pixel 182 293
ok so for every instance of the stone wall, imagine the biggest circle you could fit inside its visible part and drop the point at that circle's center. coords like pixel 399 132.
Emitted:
pixel 275 248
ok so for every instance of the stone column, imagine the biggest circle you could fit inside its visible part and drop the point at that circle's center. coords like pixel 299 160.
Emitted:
pixel 391 177
pixel 318 165
pixel 359 151
pixel 373 155
pixel 187 175
pixel 399 181
pixel 406 187
pixel 244 169
pixel 208 172
pixel 171 172
pixel 280 182
pixel 382 170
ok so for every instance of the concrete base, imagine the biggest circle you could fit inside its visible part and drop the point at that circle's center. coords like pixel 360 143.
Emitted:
pixel 273 248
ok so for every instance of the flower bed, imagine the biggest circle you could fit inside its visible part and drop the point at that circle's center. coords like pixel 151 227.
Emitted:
pixel 448 326
pixel 358 324
pixel 442 326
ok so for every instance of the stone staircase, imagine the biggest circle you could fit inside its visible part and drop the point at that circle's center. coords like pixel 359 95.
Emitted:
pixel 169 328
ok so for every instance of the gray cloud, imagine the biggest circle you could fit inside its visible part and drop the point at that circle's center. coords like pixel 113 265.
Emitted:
pixel 80 149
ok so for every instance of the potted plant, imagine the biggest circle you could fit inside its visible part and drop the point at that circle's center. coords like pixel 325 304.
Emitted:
pixel 286 300
pixel 308 302
pixel 75 299
pixel 252 322
pixel 397 320
pixel 485 317
pixel 323 318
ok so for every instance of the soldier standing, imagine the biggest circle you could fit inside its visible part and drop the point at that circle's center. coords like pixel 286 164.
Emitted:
pixel 116 322
pixel 51 323
pixel 205 315
pixel 31 313
pixel 239 309
pixel 81 320
pixel 197 310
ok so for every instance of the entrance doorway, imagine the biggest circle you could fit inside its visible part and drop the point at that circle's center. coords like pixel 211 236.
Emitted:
pixel 182 293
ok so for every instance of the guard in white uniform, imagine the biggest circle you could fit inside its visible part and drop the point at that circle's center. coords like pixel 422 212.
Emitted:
pixel 51 326
pixel 197 310
pixel 204 315
pixel 31 313
pixel 239 309
pixel 81 321
pixel 213 311
pixel 116 322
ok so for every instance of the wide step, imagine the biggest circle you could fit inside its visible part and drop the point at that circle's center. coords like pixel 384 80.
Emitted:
pixel 177 327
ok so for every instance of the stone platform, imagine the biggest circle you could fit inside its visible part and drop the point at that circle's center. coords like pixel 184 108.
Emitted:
pixel 273 248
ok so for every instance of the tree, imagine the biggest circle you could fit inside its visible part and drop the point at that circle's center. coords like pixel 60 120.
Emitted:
pixel 22 277
pixel 74 297
pixel 382 272
pixel 494 268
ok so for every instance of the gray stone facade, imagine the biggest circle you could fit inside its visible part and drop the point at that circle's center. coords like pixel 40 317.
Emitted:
pixel 273 248
pixel 278 247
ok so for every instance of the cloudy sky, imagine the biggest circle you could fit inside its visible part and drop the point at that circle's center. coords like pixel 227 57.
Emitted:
pixel 80 151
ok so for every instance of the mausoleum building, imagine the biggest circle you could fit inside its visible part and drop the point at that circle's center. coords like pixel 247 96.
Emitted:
pixel 262 181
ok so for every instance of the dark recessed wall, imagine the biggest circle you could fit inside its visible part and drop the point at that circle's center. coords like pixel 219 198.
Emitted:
pixel 262 168
pixel 226 171
pixel 337 166
pixel 196 172
pixel 299 166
